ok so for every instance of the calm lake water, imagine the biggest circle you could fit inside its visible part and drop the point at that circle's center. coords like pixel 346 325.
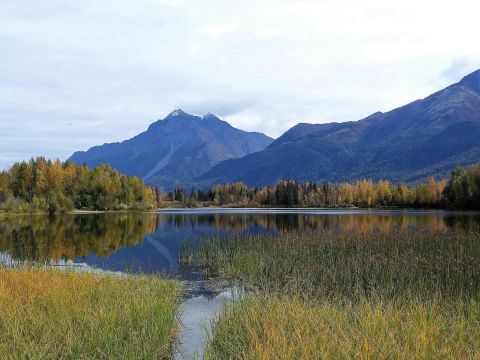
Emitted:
pixel 151 243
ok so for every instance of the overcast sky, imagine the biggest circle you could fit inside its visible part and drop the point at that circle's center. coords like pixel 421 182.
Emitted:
pixel 74 74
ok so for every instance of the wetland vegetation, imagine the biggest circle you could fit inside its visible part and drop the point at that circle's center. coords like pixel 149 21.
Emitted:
pixel 331 294
pixel 51 314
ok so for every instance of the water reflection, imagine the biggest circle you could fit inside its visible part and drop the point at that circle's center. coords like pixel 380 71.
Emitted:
pixel 362 221
pixel 152 242
pixel 39 238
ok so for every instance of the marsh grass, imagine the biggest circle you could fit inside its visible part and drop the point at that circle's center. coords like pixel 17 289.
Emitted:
pixel 344 294
pixel 379 264
pixel 51 314
pixel 271 327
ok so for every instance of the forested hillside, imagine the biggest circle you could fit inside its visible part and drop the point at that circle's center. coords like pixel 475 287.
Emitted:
pixel 42 185
pixel 462 191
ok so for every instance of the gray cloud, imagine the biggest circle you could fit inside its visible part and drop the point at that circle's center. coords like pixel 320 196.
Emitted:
pixel 76 74
pixel 459 68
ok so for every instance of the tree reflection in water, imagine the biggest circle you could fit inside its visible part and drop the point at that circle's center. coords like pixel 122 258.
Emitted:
pixel 152 242
pixel 66 237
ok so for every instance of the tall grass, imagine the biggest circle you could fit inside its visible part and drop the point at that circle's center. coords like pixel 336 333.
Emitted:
pixel 324 264
pixel 344 294
pixel 269 327
pixel 49 314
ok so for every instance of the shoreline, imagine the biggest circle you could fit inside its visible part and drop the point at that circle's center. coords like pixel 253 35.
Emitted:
pixel 251 210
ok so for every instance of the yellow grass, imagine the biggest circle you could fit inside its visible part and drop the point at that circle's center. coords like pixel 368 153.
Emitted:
pixel 341 295
pixel 48 314
pixel 270 327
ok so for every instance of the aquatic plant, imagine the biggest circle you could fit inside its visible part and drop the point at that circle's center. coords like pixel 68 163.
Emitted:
pixel 345 294
pixel 351 264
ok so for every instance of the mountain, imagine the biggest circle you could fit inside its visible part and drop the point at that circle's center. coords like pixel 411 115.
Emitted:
pixel 176 149
pixel 426 137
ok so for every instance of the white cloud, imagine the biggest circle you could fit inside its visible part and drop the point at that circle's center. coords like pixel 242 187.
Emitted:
pixel 110 68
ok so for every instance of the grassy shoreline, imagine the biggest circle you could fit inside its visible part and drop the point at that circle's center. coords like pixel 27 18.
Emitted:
pixel 275 327
pixel 329 294
pixel 71 315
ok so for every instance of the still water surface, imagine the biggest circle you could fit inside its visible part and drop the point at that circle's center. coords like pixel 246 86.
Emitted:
pixel 151 243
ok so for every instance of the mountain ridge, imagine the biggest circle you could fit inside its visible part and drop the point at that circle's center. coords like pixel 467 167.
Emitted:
pixel 175 149
pixel 425 137
pixel 399 145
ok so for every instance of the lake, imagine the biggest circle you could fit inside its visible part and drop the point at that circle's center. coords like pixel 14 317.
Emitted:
pixel 151 242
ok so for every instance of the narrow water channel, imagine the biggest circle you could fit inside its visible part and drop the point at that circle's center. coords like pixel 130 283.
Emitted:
pixel 196 316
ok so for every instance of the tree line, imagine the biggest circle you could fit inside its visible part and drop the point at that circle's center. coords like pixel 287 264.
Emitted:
pixel 462 191
pixel 41 185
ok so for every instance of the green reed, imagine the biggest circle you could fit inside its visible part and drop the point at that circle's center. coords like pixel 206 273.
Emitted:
pixel 347 294
pixel 350 264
